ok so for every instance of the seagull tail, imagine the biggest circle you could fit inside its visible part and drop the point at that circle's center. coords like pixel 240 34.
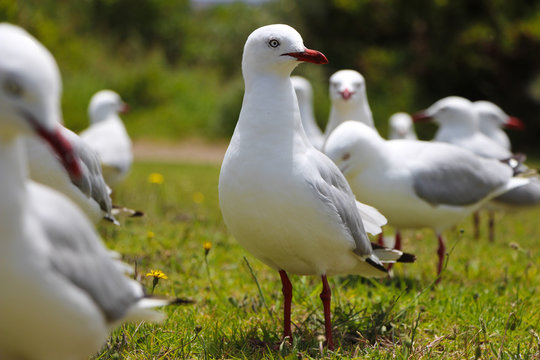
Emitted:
pixel 122 211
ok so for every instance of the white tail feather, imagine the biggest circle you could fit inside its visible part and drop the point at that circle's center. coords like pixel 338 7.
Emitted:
pixel 371 218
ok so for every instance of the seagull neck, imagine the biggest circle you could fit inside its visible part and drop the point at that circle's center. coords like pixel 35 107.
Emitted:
pixel 359 111
pixel 270 109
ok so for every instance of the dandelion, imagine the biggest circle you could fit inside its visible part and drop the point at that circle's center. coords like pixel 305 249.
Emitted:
pixel 150 235
pixel 207 246
pixel 157 274
pixel 155 178
pixel 198 197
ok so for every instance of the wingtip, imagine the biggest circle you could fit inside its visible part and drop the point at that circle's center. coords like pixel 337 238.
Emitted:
pixel 376 265
pixel 407 258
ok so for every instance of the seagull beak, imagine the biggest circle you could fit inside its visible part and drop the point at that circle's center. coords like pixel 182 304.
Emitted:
pixel 308 55
pixel 59 144
pixel 421 116
pixel 124 108
pixel 346 94
pixel 514 123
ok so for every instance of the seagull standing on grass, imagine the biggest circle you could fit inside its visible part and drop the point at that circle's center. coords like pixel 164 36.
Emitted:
pixel 61 291
pixel 416 184
pixel 282 199
pixel 492 119
pixel 459 124
pixel 108 137
pixel 349 100
pixel 304 94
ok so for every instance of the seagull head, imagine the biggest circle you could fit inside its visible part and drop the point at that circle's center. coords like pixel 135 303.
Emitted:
pixel 105 103
pixel 451 111
pixel 276 48
pixel 491 116
pixel 345 85
pixel 352 146
pixel 401 123
pixel 30 88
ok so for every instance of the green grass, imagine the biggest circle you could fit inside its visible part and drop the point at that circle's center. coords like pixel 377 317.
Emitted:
pixel 486 307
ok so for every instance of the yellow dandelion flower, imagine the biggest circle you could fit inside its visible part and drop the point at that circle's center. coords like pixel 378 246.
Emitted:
pixel 150 235
pixel 155 178
pixel 157 274
pixel 198 197
pixel 207 246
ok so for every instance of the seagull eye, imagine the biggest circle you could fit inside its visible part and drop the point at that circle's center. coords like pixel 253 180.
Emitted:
pixel 13 88
pixel 273 43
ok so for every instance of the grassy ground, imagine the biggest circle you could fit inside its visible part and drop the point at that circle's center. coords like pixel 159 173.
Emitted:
pixel 487 305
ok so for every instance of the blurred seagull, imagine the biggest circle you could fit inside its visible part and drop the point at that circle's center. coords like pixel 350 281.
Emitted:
pixel 401 127
pixel 61 291
pixel 282 199
pixel 416 184
pixel 304 94
pixel 459 124
pixel 349 100
pixel 108 137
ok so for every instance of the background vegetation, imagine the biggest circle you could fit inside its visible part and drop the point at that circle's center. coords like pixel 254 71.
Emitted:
pixel 178 65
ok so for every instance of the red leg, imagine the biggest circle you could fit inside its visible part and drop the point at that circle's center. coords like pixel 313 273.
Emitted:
pixel 491 226
pixel 287 296
pixel 326 296
pixel 476 224
pixel 441 252
pixel 380 239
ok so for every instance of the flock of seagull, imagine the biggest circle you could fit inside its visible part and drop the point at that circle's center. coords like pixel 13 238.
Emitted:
pixel 289 192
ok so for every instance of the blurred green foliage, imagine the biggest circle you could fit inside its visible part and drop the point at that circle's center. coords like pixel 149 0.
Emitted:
pixel 178 65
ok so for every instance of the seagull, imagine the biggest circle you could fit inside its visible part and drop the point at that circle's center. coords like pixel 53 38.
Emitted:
pixel 401 127
pixel 89 191
pixel 492 119
pixel 459 124
pixel 349 100
pixel 416 184
pixel 304 94
pixel 283 200
pixel 62 293
pixel 108 137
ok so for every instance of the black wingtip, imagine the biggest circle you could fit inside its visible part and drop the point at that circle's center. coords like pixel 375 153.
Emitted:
pixel 407 258
pixel 376 265
pixel 181 301
pixel 137 213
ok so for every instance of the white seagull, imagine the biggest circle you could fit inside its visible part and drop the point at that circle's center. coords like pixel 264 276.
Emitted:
pixel 349 100
pixel 282 199
pixel 416 184
pixel 304 94
pixel 401 127
pixel 61 291
pixel 459 124
pixel 108 137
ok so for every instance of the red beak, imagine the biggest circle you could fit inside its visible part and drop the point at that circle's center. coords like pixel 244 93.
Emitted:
pixel 308 55
pixel 514 123
pixel 64 150
pixel 124 108
pixel 420 117
pixel 346 94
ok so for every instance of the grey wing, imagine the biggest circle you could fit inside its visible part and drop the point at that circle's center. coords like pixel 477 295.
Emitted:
pixel 526 195
pixel 332 187
pixel 453 176
pixel 99 277
pixel 78 254
pixel 91 183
